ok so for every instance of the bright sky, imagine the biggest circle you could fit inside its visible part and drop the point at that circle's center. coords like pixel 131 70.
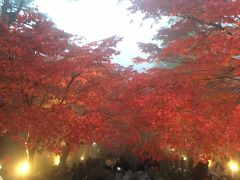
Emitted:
pixel 98 19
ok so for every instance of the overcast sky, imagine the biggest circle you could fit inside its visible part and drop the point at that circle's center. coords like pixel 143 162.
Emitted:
pixel 98 19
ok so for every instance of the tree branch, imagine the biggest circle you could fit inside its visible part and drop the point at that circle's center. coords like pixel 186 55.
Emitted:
pixel 9 17
pixel 74 76
pixel 43 99
pixel 192 18
pixel 12 19
pixel 223 77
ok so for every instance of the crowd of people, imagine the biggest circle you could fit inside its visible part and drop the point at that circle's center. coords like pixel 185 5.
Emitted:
pixel 98 169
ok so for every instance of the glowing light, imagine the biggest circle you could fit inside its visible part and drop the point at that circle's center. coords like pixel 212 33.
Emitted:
pixel 233 166
pixel 0 166
pixel 184 158
pixel 82 158
pixel 210 163
pixel 56 160
pixel 94 143
pixel 23 168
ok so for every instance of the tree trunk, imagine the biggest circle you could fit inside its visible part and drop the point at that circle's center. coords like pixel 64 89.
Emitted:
pixel 63 158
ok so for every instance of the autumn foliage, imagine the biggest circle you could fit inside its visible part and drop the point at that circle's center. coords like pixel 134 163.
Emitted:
pixel 56 91
pixel 49 85
pixel 192 106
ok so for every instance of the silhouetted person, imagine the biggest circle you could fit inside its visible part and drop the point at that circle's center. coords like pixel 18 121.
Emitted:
pixel 200 171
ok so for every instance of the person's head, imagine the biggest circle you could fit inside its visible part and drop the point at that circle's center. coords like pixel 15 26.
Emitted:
pixel 140 167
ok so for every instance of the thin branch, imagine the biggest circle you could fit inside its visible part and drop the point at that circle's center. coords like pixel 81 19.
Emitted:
pixel 218 26
pixel 223 77
pixel 68 86
pixel 236 79
pixel 43 99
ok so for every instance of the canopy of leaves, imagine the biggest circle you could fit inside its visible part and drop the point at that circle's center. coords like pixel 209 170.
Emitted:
pixel 55 93
pixel 49 89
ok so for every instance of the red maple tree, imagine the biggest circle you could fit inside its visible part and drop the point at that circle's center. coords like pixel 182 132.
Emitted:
pixel 56 94
pixel 49 90
pixel 192 106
